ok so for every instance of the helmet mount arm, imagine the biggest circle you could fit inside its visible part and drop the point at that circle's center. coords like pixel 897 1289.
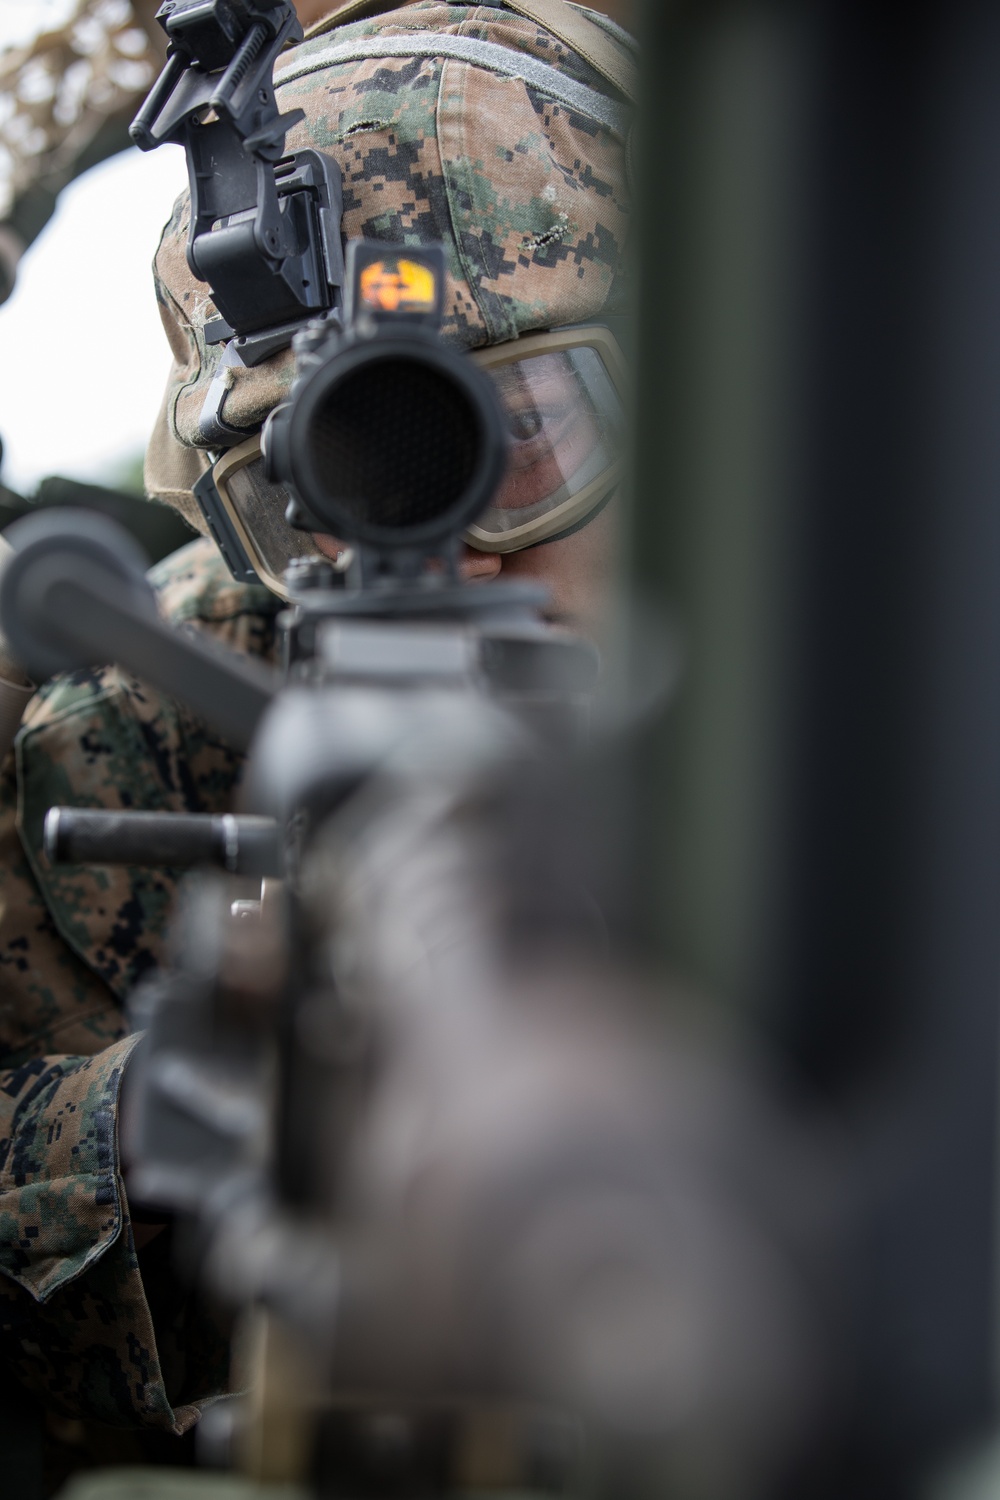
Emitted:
pixel 265 226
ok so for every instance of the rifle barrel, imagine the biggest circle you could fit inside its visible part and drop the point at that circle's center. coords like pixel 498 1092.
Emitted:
pixel 94 836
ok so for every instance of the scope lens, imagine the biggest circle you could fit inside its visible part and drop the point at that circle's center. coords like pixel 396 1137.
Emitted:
pixel 393 445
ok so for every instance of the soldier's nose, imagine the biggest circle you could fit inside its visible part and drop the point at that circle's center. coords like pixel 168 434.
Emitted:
pixel 478 565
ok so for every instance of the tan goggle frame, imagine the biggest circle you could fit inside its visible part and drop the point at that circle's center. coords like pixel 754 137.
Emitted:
pixel 562 517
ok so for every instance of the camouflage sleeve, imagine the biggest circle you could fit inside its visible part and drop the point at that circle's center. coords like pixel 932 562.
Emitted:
pixel 98 1331
pixel 83 1325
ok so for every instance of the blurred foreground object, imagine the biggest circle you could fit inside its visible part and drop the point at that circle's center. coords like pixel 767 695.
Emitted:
pixel 16 688
pixel 157 529
pixel 818 474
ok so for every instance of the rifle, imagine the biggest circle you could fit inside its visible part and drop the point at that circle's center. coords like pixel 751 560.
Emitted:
pixel 417 1130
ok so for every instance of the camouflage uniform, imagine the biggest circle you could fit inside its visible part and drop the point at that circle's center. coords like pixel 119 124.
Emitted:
pixel 76 1320
pixel 526 194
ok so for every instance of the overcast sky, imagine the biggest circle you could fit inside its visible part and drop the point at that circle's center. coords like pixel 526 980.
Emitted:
pixel 20 20
pixel 83 358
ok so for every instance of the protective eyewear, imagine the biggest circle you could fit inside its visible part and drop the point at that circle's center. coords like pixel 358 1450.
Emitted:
pixel 561 395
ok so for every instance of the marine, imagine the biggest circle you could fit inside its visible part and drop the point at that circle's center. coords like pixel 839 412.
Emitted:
pixel 448 128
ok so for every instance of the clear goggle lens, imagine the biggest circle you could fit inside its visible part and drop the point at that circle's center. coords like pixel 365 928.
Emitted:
pixel 565 428
pixel 562 399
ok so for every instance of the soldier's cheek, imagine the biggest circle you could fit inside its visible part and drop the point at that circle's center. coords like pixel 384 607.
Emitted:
pixel 578 571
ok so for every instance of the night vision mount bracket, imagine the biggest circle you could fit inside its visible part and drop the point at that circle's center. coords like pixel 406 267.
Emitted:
pixel 265 226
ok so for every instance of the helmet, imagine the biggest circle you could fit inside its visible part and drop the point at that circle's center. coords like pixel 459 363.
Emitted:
pixel 462 125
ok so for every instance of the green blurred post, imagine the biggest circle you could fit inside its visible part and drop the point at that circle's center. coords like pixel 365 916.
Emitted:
pixel 817 506
pixel 717 414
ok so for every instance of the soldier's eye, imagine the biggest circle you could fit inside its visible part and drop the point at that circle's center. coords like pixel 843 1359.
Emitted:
pixel 525 424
